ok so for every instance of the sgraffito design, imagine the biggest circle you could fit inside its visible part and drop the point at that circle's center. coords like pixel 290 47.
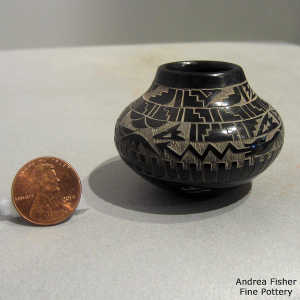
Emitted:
pixel 220 136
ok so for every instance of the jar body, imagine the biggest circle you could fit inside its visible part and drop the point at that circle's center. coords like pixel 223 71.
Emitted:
pixel 199 137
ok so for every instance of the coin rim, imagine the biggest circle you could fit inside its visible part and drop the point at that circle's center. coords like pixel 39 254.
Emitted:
pixel 51 223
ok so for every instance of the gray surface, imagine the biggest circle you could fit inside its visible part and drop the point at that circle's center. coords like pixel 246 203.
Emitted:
pixel 52 23
pixel 129 240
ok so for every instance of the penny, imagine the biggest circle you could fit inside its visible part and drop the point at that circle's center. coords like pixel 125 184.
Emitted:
pixel 46 191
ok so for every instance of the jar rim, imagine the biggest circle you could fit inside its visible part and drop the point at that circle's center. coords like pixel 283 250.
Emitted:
pixel 199 74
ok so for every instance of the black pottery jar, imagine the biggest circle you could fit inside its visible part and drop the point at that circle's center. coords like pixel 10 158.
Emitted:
pixel 199 126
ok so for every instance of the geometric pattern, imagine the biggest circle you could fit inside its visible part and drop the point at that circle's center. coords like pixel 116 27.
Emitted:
pixel 211 137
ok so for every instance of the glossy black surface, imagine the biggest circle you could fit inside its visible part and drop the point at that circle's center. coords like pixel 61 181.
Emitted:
pixel 200 125
pixel 199 74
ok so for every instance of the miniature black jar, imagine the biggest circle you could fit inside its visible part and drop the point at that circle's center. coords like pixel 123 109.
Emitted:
pixel 199 126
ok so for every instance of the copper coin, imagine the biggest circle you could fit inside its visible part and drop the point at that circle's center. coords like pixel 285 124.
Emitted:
pixel 46 191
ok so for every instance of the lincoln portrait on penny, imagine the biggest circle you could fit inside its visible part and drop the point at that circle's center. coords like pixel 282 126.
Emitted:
pixel 47 202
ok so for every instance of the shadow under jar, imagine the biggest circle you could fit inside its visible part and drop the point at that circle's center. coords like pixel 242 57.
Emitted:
pixel 199 126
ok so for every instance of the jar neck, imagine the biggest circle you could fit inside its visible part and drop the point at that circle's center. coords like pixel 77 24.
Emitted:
pixel 199 74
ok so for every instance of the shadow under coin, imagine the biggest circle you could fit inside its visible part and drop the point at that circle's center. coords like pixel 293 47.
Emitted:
pixel 20 221
pixel 125 193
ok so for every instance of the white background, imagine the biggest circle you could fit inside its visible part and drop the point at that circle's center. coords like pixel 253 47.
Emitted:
pixel 52 23
pixel 128 239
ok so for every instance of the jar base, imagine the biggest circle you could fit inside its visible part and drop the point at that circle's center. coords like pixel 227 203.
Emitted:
pixel 193 190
